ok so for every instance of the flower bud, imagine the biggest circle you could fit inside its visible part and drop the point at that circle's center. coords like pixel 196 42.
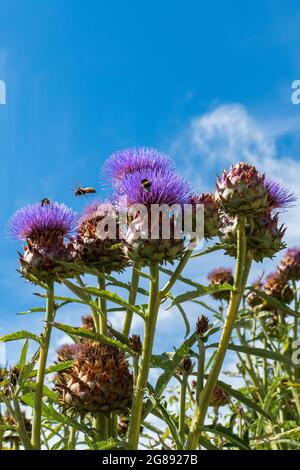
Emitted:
pixel 202 325
pixel 99 380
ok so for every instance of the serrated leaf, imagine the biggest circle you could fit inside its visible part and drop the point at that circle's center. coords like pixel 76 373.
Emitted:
pixel 54 368
pixel 191 295
pixel 23 334
pixel 23 355
pixel 260 353
pixel 33 310
pixel 112 297
pixel 85 333
pixel 211 249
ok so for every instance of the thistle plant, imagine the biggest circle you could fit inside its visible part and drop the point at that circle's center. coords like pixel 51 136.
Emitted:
pixel 98 392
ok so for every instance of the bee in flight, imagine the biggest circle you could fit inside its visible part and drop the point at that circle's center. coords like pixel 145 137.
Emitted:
pixel 146 185
pixel 84 191
pixel 45 202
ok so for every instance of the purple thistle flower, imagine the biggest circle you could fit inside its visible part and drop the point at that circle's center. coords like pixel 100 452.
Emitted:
pixel 152 186
pixel 134 159
pixel 279 197
pixel 36 221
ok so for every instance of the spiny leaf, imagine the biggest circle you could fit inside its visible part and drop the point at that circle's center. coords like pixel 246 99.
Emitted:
pixel 259 352
pixel 112 297
pixel 85 333
pixel 23 334
pixel 191 295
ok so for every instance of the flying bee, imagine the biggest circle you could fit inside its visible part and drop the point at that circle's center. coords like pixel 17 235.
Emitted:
pixel 84 191
pixel 45 202
pixel 146 185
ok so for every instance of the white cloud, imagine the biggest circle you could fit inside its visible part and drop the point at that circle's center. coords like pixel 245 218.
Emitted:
pixel 228 134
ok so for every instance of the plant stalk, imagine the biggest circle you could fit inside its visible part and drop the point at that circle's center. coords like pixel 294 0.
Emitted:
pixel 132 298
pixel 233 307
pixel 149 332
pixel 38 399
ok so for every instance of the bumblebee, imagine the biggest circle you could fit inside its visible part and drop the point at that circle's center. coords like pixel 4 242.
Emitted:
pixel 146 185
pixel 84 191
pixel 45 202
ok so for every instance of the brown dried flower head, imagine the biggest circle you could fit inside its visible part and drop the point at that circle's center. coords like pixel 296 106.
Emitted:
pixel 99 380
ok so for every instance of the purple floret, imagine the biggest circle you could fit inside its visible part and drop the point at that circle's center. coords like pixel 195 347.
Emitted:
pixel 150 186
pixel 36 220
pixel 279 196
pixel 134 159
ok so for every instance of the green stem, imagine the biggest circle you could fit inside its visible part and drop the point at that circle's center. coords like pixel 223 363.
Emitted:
pixel 100 424
pixel 180 267
pixel 233 307
pixel 182 406
pixel 37 412
pixel 72 439
pixel 102 308
pixel 200 369
pixel 132 298
pixel 150 324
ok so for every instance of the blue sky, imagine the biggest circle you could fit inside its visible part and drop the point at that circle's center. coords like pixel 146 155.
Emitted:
pixel 208 82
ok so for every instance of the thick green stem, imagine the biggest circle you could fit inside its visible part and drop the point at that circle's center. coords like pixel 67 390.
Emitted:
pixel 38 399
pixel 72 439
pixel 131 299
pixel 100 424
pixel 150 324
pixel 182 406
pixel 233 307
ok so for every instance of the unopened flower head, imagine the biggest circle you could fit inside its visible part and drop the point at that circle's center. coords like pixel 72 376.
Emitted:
pixel 202 325
pixel 219 397
pixel 277 286
pixel 242 190
pixel 211 213
pixel 264 239
pixel 134 159
pixel 290 264
pixel 97 244
pixel 87 322
pixel 253 299
pixel 218 277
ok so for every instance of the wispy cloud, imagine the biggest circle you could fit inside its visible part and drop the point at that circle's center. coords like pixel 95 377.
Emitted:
pixel 229 133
